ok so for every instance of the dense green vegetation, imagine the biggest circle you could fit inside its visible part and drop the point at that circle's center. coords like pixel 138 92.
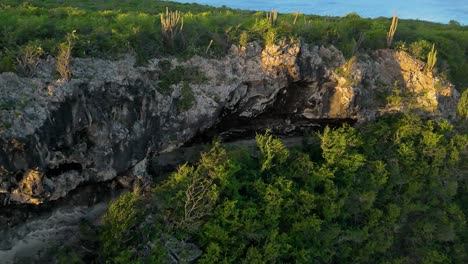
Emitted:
pixel 109 28
pixel 393 191
pixel 390 192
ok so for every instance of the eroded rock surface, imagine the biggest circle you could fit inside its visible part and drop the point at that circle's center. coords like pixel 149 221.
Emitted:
pixel 56 135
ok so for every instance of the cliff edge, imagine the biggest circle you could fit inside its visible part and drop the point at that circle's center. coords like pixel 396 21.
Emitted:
pixel 103 123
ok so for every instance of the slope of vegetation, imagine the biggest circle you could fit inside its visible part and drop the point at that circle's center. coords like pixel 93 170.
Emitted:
pixel 109 28
pixel 390 192
pixel 393 191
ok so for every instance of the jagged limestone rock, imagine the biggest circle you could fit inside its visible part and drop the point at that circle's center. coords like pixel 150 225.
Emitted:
pixel 111 114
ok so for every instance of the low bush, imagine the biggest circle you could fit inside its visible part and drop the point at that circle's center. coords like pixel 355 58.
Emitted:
pixel 187 98
pixel 419 49
pixel 29 59
pixel 463 105
pixel 177 75
pixel 123 215
pixel 63 60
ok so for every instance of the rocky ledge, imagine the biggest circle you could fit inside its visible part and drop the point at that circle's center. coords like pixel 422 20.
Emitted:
pixel 56 135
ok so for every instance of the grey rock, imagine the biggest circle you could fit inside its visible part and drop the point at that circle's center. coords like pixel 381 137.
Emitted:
pixel 106 120
pixel 181 252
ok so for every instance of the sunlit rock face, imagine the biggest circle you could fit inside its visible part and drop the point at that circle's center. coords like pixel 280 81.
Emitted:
pixel 281 58
pixel 395 81
pixel 56 135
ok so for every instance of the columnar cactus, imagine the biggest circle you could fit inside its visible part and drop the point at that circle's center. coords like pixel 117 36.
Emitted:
pixel 431 59
pixel 392 30
pixel 171 25
pixel 272 17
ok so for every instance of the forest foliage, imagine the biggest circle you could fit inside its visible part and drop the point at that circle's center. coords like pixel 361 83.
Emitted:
pixel 394 191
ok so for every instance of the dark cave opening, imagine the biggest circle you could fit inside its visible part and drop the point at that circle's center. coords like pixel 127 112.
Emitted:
pixel 62 168
pixel 283 117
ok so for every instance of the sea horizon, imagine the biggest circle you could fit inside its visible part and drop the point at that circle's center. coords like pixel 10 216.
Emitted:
pixel 438 11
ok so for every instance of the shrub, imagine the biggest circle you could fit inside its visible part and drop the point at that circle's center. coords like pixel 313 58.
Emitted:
pixel 64 57
pixel 66 255
pixel 396 98
pixel 121 216
pixel 243 39
pixel 7 62
pixel 454 23
pixel 270 37
pixel 205 183
pixel 272 150
pixel 463 105
pixel 419 49
pixel 192 192
pixel 178 74
pixel 28 59
pixel 346 71
pixel 401 46
pixel 357 44
pixel 187 98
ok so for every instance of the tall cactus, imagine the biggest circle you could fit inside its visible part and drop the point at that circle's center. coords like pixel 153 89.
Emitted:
pixel 392 30
pixel 272 17
pixel 171 24
pixel 296 16
pixel 431 59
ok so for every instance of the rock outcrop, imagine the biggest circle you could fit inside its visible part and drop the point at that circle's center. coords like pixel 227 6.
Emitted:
pixel 56 135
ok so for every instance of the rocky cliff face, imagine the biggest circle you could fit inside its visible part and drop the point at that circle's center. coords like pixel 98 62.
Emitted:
pixel 56 135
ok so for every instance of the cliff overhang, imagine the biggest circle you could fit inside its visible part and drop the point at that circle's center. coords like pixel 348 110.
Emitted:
pixel 105 121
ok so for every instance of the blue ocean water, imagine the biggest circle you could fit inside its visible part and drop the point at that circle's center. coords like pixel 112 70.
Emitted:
pixel 431 10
